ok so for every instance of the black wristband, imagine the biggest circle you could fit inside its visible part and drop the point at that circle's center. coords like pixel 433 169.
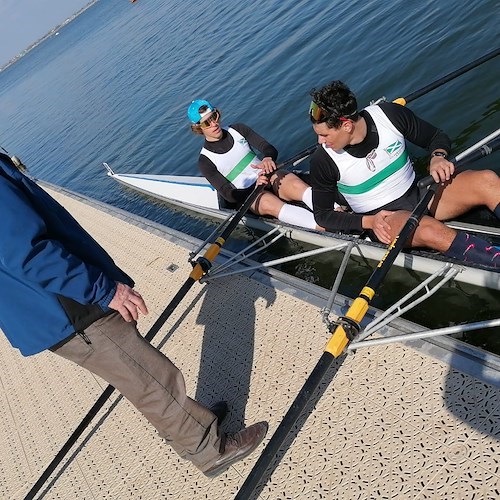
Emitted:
pixel 440 153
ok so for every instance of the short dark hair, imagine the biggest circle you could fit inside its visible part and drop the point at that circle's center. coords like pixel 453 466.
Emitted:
pixel 337 101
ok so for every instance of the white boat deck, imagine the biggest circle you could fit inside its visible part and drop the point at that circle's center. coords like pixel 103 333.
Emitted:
pixel 394 422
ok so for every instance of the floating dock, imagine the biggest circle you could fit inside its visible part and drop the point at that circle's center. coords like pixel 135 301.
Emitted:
pixel 413 421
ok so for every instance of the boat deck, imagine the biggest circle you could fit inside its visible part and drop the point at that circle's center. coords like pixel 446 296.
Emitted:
pixel 394 422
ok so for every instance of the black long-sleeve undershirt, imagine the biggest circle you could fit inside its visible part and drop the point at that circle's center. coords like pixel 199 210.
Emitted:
pixel 225 188
pixel 325 173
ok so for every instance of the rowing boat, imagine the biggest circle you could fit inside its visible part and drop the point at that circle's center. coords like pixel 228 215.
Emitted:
pixel 196 194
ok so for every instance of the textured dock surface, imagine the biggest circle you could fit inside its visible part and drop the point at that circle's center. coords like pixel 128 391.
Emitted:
pixel 392 423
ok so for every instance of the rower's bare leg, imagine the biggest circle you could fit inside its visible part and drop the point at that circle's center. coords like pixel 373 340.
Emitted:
pixel 288 186
pixel 431 233
pixel 269 204
pixel 465 191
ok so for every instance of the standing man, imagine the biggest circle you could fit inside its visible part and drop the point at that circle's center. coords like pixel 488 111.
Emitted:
pixel 63 292
pixel 363 163
pixel 229 163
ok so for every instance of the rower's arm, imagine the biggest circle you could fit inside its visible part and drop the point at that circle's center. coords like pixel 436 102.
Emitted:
pixel 323 179
pixel 256 141
pixel 416 130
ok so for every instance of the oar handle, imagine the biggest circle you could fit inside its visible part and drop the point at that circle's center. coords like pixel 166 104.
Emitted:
pixel 484 150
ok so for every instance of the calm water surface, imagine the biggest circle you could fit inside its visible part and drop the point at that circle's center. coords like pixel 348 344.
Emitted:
pixel 115 84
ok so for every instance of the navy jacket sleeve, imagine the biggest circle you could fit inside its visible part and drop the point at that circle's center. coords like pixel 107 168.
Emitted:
pixel 28 251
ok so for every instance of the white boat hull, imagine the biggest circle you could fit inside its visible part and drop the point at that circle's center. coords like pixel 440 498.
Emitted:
pixel 203 199
pixel 184 189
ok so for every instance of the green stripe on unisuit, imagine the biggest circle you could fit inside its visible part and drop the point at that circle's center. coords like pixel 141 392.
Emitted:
pixel 374 181
pixel 242 164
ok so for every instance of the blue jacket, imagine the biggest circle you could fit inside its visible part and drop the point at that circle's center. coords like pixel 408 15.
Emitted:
pixel 54 278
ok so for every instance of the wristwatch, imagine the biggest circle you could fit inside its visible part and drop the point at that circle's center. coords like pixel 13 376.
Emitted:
pixel 440 153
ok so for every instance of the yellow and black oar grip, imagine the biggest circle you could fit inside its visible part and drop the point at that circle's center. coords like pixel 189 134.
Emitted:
pixel 339 340
pixel 204 263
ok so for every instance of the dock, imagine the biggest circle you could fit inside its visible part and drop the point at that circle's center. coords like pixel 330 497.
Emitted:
pixel 399 421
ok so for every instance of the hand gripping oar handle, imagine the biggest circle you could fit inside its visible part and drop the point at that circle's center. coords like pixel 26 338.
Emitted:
pixel 484 150
pixel 290 162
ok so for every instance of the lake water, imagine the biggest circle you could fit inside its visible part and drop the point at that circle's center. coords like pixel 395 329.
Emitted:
pixel 115 83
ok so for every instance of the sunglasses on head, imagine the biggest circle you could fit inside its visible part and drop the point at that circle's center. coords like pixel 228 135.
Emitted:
pixel 213 117
pixel 319 114
pixel 315 112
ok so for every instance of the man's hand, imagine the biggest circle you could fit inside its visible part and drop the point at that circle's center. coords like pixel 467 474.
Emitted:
pixel 379 225
pixel 262 180
pixel 441 169
pixel 128 302
pixel 267 165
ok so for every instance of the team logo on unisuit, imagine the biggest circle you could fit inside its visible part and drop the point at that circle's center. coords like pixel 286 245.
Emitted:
pixel 394 148
pixel 369 160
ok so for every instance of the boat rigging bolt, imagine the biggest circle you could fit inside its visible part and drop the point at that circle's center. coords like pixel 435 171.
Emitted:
pixel 351 327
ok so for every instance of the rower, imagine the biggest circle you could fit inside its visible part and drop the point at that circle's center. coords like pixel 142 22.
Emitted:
pixel 364 161
pixel 229 163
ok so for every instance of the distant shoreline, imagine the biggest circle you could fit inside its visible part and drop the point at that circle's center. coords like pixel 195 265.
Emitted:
pixel 52 32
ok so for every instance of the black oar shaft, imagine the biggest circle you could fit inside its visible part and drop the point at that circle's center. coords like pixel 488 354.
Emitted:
pixel 451 76
pixel 334 348
pixel 249 488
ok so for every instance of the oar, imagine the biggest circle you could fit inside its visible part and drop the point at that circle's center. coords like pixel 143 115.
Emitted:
pixel 348 327
pixel 447 78
pixel 202 265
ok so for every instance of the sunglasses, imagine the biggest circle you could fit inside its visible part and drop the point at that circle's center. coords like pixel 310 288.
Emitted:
pixel 315 112
pixel 213 117
pixel 319 114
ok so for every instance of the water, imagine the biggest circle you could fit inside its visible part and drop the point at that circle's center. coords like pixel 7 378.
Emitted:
pixel 115 84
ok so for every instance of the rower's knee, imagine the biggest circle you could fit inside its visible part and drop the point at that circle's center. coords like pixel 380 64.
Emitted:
pixel 268 204
pixel 487 178
pixel 289 186
pixel 433 234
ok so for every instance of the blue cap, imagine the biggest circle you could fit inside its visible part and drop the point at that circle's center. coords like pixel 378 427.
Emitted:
pixel 194 110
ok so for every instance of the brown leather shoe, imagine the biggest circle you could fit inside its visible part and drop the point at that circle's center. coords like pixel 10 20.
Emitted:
pixel 238 446
pixel 220 411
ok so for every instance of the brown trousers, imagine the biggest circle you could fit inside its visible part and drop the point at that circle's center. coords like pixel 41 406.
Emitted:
pixel 151 382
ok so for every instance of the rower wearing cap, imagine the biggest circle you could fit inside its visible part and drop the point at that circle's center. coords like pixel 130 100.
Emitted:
pixel 229 163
